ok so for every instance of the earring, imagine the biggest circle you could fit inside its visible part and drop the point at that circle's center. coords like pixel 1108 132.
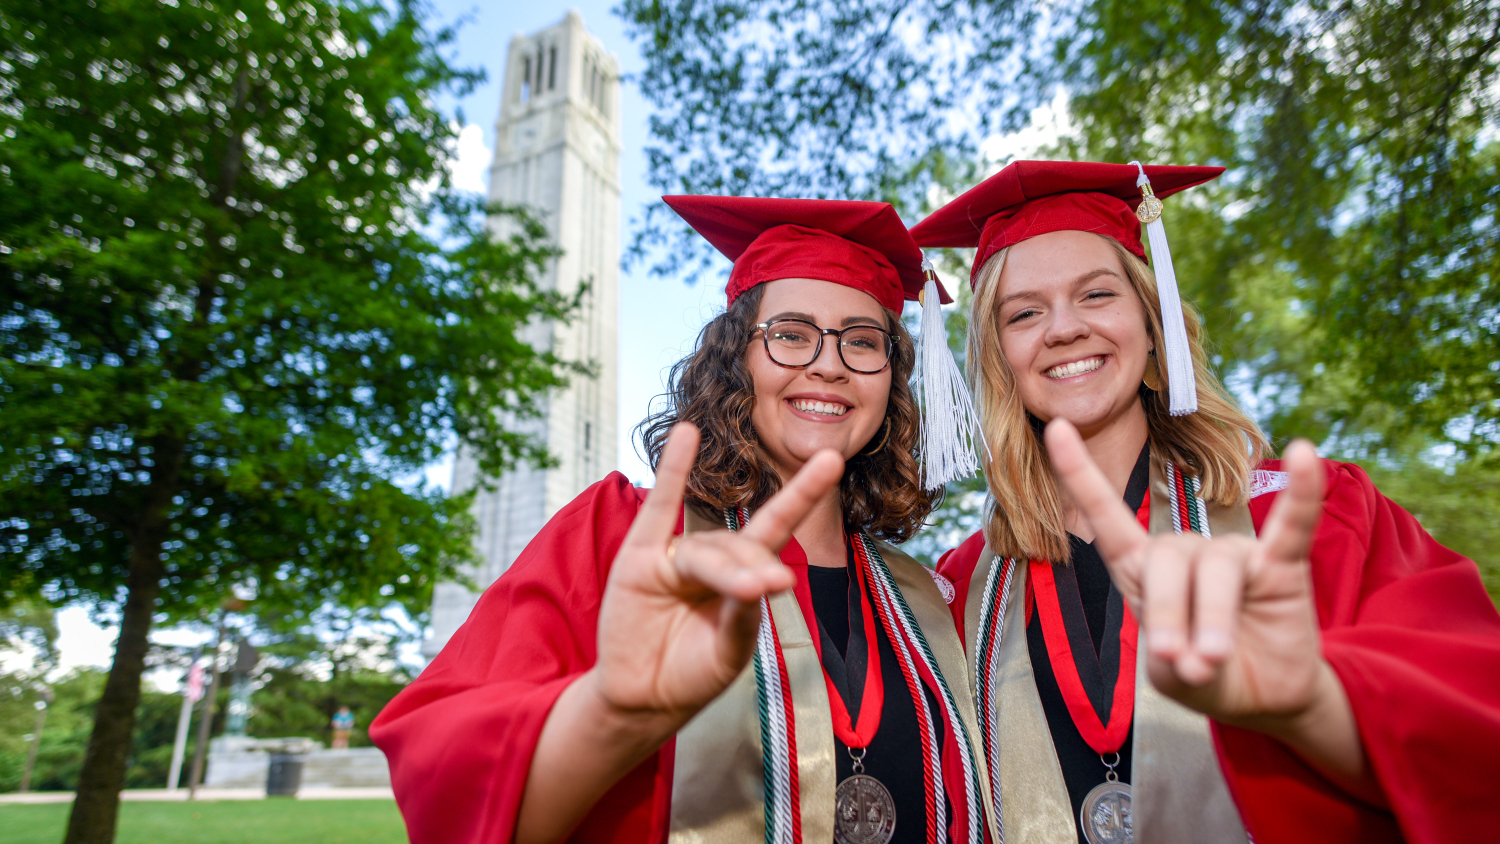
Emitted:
pixel 1152 376
pixel 886 426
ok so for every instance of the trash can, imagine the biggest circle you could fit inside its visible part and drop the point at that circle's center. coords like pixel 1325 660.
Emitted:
pixel 284 776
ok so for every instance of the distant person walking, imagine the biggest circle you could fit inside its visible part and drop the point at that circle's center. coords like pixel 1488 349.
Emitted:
pixel 343 725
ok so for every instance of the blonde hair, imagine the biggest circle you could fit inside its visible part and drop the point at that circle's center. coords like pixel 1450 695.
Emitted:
pixel 1219 444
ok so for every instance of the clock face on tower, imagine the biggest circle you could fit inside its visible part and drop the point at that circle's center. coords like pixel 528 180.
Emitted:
pixel 528 133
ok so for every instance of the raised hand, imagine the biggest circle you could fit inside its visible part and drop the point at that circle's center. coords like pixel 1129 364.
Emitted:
pixel 680 614
pixel 1229 623
pixel 676 625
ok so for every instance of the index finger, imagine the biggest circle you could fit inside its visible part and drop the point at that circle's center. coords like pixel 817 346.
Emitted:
pixel 657 518
pixel 1117 534
pixel 773 523
pixel 1289 529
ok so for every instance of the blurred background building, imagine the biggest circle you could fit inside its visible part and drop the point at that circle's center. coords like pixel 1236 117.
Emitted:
pixel 557 150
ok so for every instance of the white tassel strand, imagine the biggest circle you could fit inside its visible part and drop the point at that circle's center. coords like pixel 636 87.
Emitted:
pixel 950 424
pixel 1182 384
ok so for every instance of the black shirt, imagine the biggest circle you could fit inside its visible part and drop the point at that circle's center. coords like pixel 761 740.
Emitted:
pixel 894 756
pixel 1082 768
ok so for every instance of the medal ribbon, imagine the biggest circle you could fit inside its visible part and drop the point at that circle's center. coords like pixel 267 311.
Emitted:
pixel 1099 689
pixel 944 739
pixel 856 732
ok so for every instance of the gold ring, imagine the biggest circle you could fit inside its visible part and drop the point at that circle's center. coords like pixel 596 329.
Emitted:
pixel 672 548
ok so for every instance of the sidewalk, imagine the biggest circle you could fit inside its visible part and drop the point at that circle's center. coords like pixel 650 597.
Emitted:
pixel 205 794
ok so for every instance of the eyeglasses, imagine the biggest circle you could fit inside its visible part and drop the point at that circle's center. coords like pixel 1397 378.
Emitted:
pixel 795 344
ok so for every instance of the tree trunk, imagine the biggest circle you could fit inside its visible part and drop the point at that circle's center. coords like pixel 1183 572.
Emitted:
pixel 97 806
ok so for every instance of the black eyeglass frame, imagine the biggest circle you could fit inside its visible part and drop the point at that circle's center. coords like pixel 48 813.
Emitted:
pixel 765 336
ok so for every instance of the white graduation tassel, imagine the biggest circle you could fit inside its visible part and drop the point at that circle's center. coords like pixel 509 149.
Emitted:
pixel 1182 384
pixel 949 422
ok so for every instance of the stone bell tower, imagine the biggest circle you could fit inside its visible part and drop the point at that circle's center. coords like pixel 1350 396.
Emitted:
pixel 557 151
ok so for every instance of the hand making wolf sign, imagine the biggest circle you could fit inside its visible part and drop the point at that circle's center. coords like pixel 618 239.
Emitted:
pixel 680 613
pixel 1229 622
pixel 677 624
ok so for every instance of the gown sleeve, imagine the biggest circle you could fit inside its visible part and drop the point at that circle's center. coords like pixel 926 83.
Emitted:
pixel 1415 639
pixel 460 738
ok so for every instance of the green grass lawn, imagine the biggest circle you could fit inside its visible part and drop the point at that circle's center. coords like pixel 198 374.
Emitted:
pixel 276 821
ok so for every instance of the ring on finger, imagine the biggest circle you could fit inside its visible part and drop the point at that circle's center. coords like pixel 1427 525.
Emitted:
pixel 672 548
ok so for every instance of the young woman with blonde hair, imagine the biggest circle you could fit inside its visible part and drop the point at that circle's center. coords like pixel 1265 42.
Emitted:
pixel 1319 668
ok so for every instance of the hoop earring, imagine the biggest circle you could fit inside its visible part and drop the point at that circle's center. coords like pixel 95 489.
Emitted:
pixel 886 426
pixel 1152 377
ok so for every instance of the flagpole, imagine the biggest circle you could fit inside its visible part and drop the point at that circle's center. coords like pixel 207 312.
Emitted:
pixel 206 719
pixel 190 695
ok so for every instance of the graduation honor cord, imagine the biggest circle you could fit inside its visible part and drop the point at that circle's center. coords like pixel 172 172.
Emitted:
pixel 1099 689
pixel 866 824
pixel 864 811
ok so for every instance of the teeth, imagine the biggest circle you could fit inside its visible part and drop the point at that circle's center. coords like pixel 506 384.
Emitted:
pixel 1077 367
pixel 825 407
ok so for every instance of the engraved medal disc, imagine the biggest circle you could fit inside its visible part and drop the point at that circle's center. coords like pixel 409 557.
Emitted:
pixel 1105 815
pixel 1148 210
pixel 864 812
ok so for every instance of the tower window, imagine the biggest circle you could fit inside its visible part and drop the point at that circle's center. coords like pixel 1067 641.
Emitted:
pixel 525 79
pixel 552 68
pixel 588 432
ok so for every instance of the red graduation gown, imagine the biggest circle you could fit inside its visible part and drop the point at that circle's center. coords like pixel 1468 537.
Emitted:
pixel 461 736
pixel 1415 639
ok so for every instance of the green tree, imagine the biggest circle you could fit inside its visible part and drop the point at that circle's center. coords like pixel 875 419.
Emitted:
pixel 309 671
pixel 65 737
pixel 240 308
pixel 1347 264
pixel 28 629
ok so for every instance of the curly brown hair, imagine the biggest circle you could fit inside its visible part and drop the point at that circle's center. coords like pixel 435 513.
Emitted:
pixel 881 490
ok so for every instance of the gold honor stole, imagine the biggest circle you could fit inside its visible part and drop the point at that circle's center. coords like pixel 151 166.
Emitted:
pixel 1179 795
pixel 718 774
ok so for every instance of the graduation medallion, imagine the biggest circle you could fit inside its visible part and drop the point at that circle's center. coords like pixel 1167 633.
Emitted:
pixel 1149 210
pixel 1105 816
pixel 864 812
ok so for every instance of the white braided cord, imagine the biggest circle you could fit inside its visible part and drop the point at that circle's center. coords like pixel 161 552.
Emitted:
pixel 776 755
pixel 992 610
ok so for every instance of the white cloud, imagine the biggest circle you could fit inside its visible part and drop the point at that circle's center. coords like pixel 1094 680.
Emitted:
pixel 471 162
pixel 81 642
pixel 1047 125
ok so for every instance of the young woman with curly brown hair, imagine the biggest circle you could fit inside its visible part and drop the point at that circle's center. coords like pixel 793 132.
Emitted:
pixel 738 655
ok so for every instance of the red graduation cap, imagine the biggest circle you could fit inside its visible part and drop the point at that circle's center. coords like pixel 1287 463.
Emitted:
pixel 1030 198
pixel 863 245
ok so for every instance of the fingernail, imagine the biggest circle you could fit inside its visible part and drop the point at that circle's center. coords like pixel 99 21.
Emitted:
pixel 1164 641
pixel 1213 642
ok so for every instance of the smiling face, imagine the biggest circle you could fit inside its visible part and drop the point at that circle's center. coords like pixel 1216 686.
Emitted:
pixel 1073 330
pixel 825 404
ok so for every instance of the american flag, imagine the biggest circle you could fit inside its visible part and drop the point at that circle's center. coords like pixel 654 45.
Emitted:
pixel 195 682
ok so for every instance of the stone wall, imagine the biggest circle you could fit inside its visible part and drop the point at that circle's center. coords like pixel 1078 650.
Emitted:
pixel 239 762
